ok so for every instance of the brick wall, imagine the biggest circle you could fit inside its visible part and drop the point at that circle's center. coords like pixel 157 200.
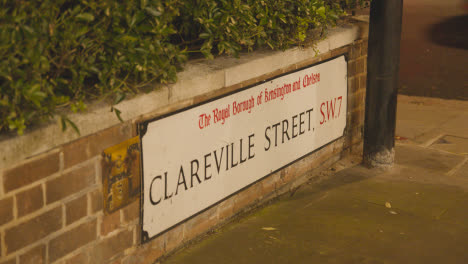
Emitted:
pixel 51 205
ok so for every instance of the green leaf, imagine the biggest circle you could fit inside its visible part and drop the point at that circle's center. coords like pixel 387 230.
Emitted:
pixel 64 123
pixel 207 54
pixel 321 11
pixel 18 124
pixel 204 35
pixel 88 17
pixel 81 31
pixel 64 120
pixel 117 113
pixel 119 98
pixel 153 11
pixel 28 29
pixel 128 38
pixel 73 125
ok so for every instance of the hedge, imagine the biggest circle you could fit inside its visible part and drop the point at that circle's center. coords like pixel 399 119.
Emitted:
pixel 57 55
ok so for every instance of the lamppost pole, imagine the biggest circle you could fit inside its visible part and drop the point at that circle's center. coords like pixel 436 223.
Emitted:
pixel 382 82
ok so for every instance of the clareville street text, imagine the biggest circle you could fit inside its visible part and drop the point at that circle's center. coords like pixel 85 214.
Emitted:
pixel 202 169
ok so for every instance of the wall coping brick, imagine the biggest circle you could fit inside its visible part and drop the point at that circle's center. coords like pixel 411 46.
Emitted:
pixel 199 78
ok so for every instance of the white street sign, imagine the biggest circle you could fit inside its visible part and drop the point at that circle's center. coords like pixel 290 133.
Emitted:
pixel 197 157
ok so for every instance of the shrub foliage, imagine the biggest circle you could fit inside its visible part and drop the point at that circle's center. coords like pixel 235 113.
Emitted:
pixel 58 54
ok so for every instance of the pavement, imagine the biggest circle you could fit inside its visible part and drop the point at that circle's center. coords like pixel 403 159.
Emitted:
pixel 434 49
pixel 415 212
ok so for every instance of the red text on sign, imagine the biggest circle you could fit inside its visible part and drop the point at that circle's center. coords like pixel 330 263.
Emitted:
pixel 330 110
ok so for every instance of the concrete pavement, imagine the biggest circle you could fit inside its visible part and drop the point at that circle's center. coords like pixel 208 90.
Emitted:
pixel 416 212
pixel 434 49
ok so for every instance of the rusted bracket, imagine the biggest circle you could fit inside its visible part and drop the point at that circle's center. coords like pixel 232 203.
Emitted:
pixel 121 174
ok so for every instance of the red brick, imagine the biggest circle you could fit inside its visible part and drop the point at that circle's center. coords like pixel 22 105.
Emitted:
pixel 138 233
pixel 325 56
pixel 110 137
pixel 363 81
pixel 364 48
pixel 339 51
pixel 247 197
pixel 147 253
pixel 200 223
pixel 357 135
pixel 357 149
pixel 31 171
pixel 290 173
pixel 92 145
pixel 354 135
pixel 76 209
pixel 96 200
pixel 76 152
pixel 356 100
pixel 6 210
pixel 351 68
pixel 135 258
pixel 269 183
pixel 174 237
pixel 29 200
pixel 110 223
pixel 34 256
pixel 32 230
pixel 356 117
pixel 10 261
pixel 70 183
pixel 322 155
pixel 80 258
pixel 353 84
pixel 355 51
pixel 226 208
pixel 131 212
pixel 72 240
pixel 309 61
pixel 155 251
pixel 360 65
pixel 301 166
pixel 111 246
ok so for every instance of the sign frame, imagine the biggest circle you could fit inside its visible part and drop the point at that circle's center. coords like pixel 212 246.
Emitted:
pixel 142 129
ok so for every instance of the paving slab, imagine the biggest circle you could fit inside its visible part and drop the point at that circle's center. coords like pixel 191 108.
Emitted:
pixel 426 159
pixel 462 172
pixel 357 216
pixel 452 144
pixel 458 126
pixel 424 119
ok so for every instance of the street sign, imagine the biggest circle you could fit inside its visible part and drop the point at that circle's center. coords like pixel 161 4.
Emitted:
pixel 195 158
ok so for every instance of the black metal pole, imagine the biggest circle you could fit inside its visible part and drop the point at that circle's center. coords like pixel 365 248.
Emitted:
pixel 382 79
